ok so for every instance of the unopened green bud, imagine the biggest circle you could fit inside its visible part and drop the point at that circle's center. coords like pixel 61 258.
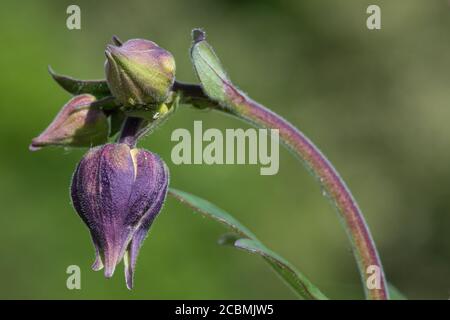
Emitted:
pixel 78 124
pixel 212 76
pixel 139 72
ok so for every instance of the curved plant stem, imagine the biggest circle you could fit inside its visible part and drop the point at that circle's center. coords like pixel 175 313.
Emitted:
pixel 363 246
pixel 129 133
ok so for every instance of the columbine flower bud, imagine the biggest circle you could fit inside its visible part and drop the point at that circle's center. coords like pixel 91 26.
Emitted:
pixel 76 125
pixel 118 191
pixel 139 72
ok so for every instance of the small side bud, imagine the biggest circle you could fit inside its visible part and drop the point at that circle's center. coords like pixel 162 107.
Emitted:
pixel 139 72
pixel 212 75
pixel 78 124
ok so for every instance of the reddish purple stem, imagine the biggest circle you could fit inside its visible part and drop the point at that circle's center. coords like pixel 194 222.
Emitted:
pixel 363 245
pixel 333 185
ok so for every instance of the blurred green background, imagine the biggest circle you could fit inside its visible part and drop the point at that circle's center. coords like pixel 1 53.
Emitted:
pixel 376 102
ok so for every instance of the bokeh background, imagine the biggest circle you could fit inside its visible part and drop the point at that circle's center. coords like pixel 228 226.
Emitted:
pixel 376 102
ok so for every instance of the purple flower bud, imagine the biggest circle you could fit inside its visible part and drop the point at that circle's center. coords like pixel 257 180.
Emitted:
pixel 118 191
pixel 139 72
pixel 76 125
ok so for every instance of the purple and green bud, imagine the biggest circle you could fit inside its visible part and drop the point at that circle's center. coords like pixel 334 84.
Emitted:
pixel 139 72
pixel 78 124
pixel 118 191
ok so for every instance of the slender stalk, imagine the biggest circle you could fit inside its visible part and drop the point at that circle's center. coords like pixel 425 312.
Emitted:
pixel 333 185
pixel 129 133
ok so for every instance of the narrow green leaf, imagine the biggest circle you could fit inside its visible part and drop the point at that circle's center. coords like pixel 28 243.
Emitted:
pixel 98 88
pixel 395 294
pixel 247 241
pixel 209 210
pixel 293 278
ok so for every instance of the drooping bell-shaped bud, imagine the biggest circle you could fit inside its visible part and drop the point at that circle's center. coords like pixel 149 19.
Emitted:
pixel 139 72
pixel 78 124
pixel 118 191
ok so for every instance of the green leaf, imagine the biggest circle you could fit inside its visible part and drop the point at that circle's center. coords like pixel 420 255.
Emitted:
pixel 247 241
pixel 209 210
pixel 293 278
pixel 98 88
pixel 395 294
